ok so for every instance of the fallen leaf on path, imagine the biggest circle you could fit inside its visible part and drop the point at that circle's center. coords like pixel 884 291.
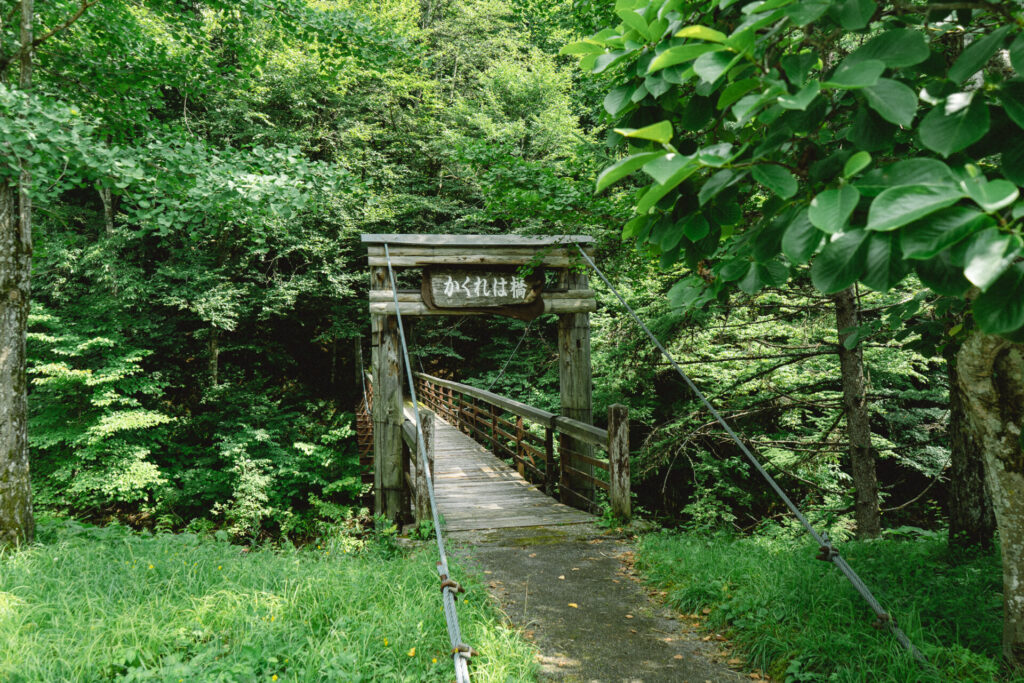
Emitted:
pixel 678 657
pixel 632 630
pixel 562 577
pixel 532 555
pixel 574 605
pixel 735 661
pixel 629 616
pixel 706 610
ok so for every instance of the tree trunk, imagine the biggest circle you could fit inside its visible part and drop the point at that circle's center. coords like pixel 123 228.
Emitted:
pixel 972 522
pixel 17 524
pixel 214 356
pixel 858 428
pixel 16 521
pixel 107 197
pixel 991 376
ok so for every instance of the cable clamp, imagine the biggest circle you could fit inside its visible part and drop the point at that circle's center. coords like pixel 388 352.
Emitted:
pixel 454 586
pixel 883 621
pixel 827 553
pixel 464 651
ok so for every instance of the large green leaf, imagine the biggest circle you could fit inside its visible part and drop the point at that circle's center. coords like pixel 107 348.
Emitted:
pixel 1017 53
pixel 1011 161
pixel 775 178
pixel 654 193
pixel 665 166
pixel 1011 94
pixel 897 48
pixel 988 255
pixel 656 132
pixel 715 184
pixel 916 171
pixel 618 99
pixel 883 263
pixel 701 33
pixel 840 263
pixel 696 227
pixel 942 275
pixel 907 203
pixel 760 274
pixel 894 101
pixel 736 90
pixel 679 54
pixel 799 65
pixel 831 209
pixel 582 47
pixel 925 238
pixel 1000 310
pixel 802 99
pixel 622 168
pixel 856 163
pixel 801 239
pixel 948 134
pixel 974 57
pixel 806 11
pixel 991 195
pixel 710 66
pixel 633 20
pixel 853 14
pixel 860 74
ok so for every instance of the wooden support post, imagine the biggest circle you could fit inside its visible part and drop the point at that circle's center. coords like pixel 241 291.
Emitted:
pixel 422 497
pixel 520 451
pixel 549 461
pixel 575 380
pixel 388 476
pixel 618 459
pixel 494 429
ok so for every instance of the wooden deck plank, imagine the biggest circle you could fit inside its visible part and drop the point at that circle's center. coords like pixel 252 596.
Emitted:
pixel 475 490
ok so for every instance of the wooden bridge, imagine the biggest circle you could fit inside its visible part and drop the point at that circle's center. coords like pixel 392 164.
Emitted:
pixel 464 427
pixel 470 432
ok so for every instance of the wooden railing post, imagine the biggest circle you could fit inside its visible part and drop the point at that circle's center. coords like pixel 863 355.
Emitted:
pixel 494 428
pixel 549 461
pixel 422 500
pixel 520 451
pixel 618 460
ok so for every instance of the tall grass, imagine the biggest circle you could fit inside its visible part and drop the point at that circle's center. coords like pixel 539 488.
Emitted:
pixel 798 619
pixel 104 604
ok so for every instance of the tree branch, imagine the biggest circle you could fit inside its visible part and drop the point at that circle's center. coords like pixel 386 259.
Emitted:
pixel 63 26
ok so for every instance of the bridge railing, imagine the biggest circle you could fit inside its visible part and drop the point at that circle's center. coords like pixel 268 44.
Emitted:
pixel 587 459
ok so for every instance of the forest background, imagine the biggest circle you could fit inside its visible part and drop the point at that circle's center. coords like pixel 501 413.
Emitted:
pixel 202 171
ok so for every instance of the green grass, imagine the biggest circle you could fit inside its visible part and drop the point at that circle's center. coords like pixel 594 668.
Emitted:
pixel 102 604
pixel 798 619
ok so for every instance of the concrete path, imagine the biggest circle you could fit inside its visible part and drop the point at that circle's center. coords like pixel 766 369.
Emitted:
pixel 571 591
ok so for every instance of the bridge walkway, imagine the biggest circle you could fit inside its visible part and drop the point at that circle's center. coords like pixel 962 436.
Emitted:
pixel 476 490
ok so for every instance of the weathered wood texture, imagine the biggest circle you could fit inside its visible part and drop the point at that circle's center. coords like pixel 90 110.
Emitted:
pixel 575 389
pixel 388 479
pixel 478 287
pixel 475 490
pixel 618 460
pixel 416 308
pixel 419 495
pixel 476 240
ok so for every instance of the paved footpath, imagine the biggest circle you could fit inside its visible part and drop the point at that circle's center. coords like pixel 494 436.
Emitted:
pixel 571 591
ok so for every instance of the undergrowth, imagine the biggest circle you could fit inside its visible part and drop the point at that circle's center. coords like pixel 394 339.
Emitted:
pixel 93 603
pixel 798 619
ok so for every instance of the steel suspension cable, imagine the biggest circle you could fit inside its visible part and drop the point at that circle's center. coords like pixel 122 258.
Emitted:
pixel 460 651
pixel 827 550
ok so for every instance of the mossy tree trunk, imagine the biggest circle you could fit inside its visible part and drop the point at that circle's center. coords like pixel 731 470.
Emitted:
pixel 17 524
pixel 858 426
pixel 991 376
pixel 972 522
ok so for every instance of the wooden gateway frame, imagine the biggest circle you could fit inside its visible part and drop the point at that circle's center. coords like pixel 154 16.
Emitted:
pixel 472 275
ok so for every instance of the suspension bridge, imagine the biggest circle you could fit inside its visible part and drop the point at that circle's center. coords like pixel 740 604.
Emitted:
pixel 466 459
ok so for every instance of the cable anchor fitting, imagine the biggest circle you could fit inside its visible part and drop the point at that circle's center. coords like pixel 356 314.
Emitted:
pixel 464 651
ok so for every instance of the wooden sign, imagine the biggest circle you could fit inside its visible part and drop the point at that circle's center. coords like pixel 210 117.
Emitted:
pixel 491 289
